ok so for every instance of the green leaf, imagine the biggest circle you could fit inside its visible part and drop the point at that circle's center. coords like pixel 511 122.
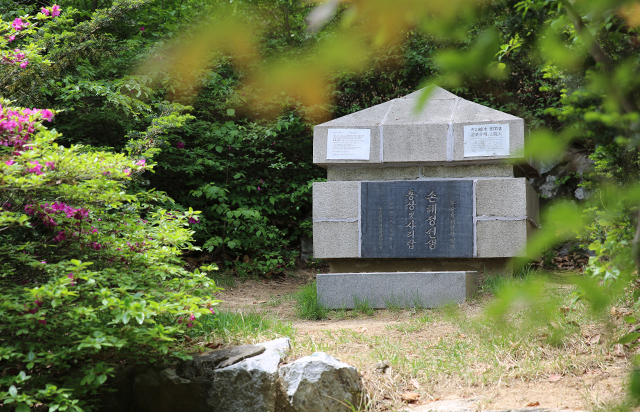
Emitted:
pixel 13 391
pixel 629 337
pixel 231 112
pixel 102 379
pixel 23 407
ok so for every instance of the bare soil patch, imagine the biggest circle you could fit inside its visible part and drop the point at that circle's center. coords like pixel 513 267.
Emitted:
pixel 585 373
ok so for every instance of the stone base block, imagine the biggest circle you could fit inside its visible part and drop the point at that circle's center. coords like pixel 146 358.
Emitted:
pixel 336 239
pixel 395 289
pixel 502 238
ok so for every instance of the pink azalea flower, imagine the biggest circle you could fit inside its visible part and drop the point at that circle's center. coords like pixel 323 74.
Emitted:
pixel 45 11
pixel 180 145
pixel 55 10
pixel 189 325
pixel 42 322
pixel 141 162
pixel 37 168
pixel 47 114
pixel 142 29
pixel 127 172
pixel 24 64
pixel 213 312
pixel 259 188
pixel 9 162
pixel 51 165
pixel 11 38
pixel 18 24
pixel 192 317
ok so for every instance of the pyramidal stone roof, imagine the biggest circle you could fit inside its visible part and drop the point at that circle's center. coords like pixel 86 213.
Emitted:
pixel 446 129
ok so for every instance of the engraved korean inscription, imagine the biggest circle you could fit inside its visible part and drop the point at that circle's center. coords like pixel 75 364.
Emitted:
pixel 417 219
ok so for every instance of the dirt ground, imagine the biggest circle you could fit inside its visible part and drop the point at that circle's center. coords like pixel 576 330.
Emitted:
pixel 353 338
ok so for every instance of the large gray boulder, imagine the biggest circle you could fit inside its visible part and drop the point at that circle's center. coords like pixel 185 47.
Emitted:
pixel 250 385
pixel 238 379
pixel 318 383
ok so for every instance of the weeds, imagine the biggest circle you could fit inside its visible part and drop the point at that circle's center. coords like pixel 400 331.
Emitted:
pixel 239 327
pixel 493 282
pixel 393 303
pixel 274 301
pixel 224 280
pixel 307 304
pixel 363 306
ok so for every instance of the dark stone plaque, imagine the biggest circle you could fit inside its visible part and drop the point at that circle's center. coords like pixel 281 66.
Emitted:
pixel 417 219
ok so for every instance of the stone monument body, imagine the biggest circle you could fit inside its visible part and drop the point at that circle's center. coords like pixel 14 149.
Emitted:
pixel 418 207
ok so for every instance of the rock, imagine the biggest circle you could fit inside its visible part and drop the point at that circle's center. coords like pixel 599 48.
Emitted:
pixel 561 178
pixel 410 397
pixel 581 193
pixel 201 367
pixel 548 188
pixel 382 366
pixel 250 385
pixel 318 383
pixel 204 384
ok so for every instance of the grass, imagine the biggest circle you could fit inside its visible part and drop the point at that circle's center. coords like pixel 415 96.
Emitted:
pixel 223 280
pixel 535 331
pixel 307 304
pixel 494 282
pixel 274 301
pixel 393 303
pixel 362 306
pixel 242 327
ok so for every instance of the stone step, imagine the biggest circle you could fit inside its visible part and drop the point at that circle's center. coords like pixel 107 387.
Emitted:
pixel 395 289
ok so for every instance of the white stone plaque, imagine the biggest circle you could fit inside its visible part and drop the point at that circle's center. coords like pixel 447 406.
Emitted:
pixel 486 140
pixel 348 144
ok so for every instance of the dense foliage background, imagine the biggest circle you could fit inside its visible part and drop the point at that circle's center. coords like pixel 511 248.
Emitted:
pixel 166 107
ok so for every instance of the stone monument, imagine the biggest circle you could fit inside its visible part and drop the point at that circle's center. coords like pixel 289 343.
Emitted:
pixel 419 206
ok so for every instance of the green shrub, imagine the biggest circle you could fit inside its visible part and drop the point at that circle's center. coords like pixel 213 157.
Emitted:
pixel 89 273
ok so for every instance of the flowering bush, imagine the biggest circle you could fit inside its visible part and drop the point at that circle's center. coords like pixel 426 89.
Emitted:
pixel 88 272
pixel 22 27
